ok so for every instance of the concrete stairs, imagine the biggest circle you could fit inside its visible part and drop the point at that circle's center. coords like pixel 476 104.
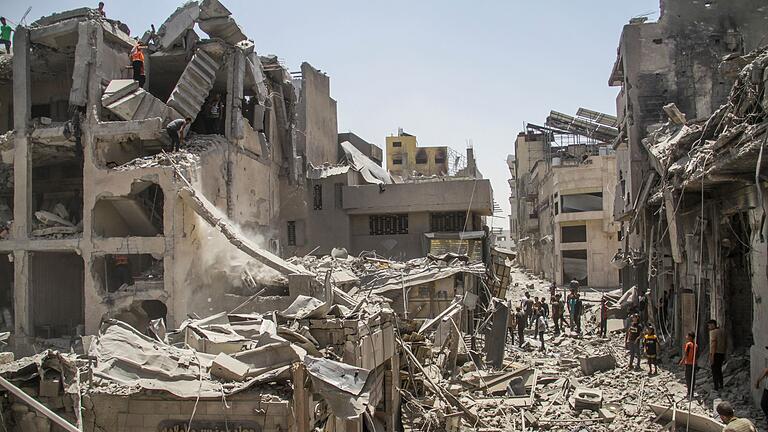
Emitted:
pixel 126 100
pixel 194 85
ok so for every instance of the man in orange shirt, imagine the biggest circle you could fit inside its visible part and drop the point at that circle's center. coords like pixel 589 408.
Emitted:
pixel 137 62
pixel 689 361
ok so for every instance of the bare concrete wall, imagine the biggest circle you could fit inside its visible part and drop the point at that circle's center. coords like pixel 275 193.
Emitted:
pixel 317 117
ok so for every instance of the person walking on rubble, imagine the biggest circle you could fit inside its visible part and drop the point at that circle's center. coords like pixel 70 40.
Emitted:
pixel 137 63
pixel 558 313
pixel 651 347
pixel 731 422
pixel 5 35
pixel 603 330
pixel 632 341
pixel 520 319
pixel 511 322
pixel 763 400
pixel 177 131
pixel 541 327
pixel 528 308
pixel 717 349
pixel 578 310
pixel 689 361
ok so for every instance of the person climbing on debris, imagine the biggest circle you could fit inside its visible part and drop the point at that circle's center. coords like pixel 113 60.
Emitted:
pixel 101 10
pixel 763 400
pixel 541 327
pixel 603 330
pixel 689 361
pixel 650 347
pixel 632 341
pixel 213 114
pixel 5 35
pixel 177 132
pixel 520 319
pixel 717 350
pixel 731 422
pixel 137 63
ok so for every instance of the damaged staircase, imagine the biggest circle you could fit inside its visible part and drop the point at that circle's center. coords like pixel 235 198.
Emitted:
pixel 194 85
pixel 125 99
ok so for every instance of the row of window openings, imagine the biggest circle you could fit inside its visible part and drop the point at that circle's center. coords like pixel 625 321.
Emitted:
pixel 395 224
pixel 421 160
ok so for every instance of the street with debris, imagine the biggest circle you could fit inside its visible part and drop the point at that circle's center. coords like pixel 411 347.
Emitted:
pixel 189 243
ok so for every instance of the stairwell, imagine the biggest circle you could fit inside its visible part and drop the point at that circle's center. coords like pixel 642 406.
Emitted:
pixel 194 85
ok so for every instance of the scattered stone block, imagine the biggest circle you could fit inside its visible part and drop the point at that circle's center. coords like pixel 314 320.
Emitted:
pixel 592 364
pixel 229 368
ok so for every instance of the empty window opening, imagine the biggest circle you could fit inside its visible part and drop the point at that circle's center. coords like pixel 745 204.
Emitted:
pixel 51 79
pixel 317 197
pixel 582 202
pixel 439 158
pixel 6 292
pixel 139 214
pixel 575 266
pixel 56 294
pixel 573 234
pixel 397 161
pixel 422 157
pixel 397 144
pixel 291 233
pixel 116 272
pixel 6 106
pixel 449 222
pixel 338 189
pixel 388 224
pixel 57 194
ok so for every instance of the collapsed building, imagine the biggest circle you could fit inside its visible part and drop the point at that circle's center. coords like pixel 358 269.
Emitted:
pixel 690 190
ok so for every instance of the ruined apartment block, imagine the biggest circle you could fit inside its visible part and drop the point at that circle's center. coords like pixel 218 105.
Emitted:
pixel 102 222
pixel 688 191
pixel 564 184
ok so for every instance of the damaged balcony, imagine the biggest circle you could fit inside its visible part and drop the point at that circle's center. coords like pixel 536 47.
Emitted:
pixel 138 214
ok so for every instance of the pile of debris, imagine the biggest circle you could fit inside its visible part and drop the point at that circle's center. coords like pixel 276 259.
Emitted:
pixel 188 156
pixel 685 151
pixel 56 223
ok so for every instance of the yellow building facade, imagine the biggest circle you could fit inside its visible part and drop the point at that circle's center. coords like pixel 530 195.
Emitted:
pixel 406 159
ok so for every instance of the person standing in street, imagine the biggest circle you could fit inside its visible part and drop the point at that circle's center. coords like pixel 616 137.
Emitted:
pixel 520 319
pixel 541 327
pixel 717 349
pixel 764 400
pixel 731 422
pixel 651 347
pixel 5 35
pixel 556 311
pixel 603 331
pixel 511 324
pixel 632 341
pixel 689 361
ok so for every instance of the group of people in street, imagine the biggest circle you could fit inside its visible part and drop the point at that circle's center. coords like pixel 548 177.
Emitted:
pixel 641 339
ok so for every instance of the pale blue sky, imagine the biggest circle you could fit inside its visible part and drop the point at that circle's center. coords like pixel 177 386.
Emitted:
pixel 446 71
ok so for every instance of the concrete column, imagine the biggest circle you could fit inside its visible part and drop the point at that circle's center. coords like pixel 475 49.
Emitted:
pixel 23 325
pixel 22 160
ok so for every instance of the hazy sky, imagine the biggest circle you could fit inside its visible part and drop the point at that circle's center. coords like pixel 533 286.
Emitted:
pixel 444 70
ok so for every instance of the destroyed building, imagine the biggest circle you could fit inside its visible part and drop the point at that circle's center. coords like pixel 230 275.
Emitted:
pixel 564 183
pixel 690 192
pixel 88 187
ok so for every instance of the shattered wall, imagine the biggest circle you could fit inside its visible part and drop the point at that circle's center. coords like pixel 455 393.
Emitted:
pixel 316 121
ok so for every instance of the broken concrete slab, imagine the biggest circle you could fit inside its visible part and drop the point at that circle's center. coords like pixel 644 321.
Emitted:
pixel 180 21
pixel 224 28
pixel 229 368
pixel 592 364
pixel 213 9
